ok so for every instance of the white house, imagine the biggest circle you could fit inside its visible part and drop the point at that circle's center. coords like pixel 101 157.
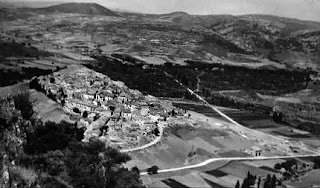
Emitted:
pixel 126 113
pixel 88 97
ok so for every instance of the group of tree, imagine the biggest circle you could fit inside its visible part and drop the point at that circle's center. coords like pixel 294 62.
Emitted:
pixel 215 77
pixel 61 95
pixel 287 165
pixel 151 81
pixel 10 77
pixel 222 77
pixel 56 154
pixel 271 182
pixel 251 180
pixel 277 117
pixel 316 162
pixel 23 103
pixel 290 167
pixel 153 170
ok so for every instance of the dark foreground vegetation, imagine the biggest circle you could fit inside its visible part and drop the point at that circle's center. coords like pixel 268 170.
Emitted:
pixel 35 153
pixel 9 77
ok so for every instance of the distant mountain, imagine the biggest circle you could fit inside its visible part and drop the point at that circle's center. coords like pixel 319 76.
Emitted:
pixel 9 13
pixel 284 40
pixel 77 8
pixel 173 14
pixel 34 4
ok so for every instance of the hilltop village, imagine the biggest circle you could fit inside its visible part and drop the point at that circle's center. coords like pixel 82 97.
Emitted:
pixel 107 109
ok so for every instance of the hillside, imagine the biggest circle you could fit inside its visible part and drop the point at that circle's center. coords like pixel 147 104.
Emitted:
pixel 285 40
pixel 77 8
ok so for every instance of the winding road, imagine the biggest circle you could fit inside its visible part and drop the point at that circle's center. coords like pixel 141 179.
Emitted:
pixel 204 163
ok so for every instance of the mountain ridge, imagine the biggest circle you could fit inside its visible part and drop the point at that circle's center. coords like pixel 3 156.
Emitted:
pixel 78 8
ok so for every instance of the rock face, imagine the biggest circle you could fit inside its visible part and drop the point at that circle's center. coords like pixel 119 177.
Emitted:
pixel 5 175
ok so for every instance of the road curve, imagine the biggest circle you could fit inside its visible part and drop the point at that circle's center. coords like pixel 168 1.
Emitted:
pixel 204 163
pixel 155 141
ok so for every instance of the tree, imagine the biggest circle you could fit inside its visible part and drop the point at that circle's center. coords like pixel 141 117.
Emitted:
pixel 102 165
pixel 85 114
pixel 316 162
pixel 76 110
pixel 135 169
pixel 126 179
pixel 50 137
pixel 245 183
pixel 277 166
pixel 96 117
pixel 273 181
pixel 56 151
pixel 23 103
pixel 50 162
pixel 156 132
pixel 52 80
pixel 238 184
pixel 153 170
pixel 286 175
pixel 63 102
pixel 251 179
pixel 84 164
pixel 268 183
pixel 289 164
pixel 259 182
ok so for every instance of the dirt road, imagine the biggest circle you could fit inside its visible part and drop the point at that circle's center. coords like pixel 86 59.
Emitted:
pixel 204 163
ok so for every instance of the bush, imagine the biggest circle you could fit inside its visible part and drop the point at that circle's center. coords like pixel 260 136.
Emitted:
pixel 51 137
pixel 76 110
pixel 316 162
pixel 153 170
pixel 23 103
pixel 277 166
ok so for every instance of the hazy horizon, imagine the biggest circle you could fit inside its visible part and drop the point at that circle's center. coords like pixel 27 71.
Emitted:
pixel 300 9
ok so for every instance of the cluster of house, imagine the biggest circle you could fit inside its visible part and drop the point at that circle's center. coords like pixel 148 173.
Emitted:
pixel 126 116
pixel 88 93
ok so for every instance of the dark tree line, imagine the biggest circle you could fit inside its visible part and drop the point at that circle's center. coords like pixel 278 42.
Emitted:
pixel 215 77
pixel 251 180
pixel 10 77
pixel 149 81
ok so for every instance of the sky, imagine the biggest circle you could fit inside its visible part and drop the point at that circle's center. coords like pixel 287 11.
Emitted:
pixel 301 9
